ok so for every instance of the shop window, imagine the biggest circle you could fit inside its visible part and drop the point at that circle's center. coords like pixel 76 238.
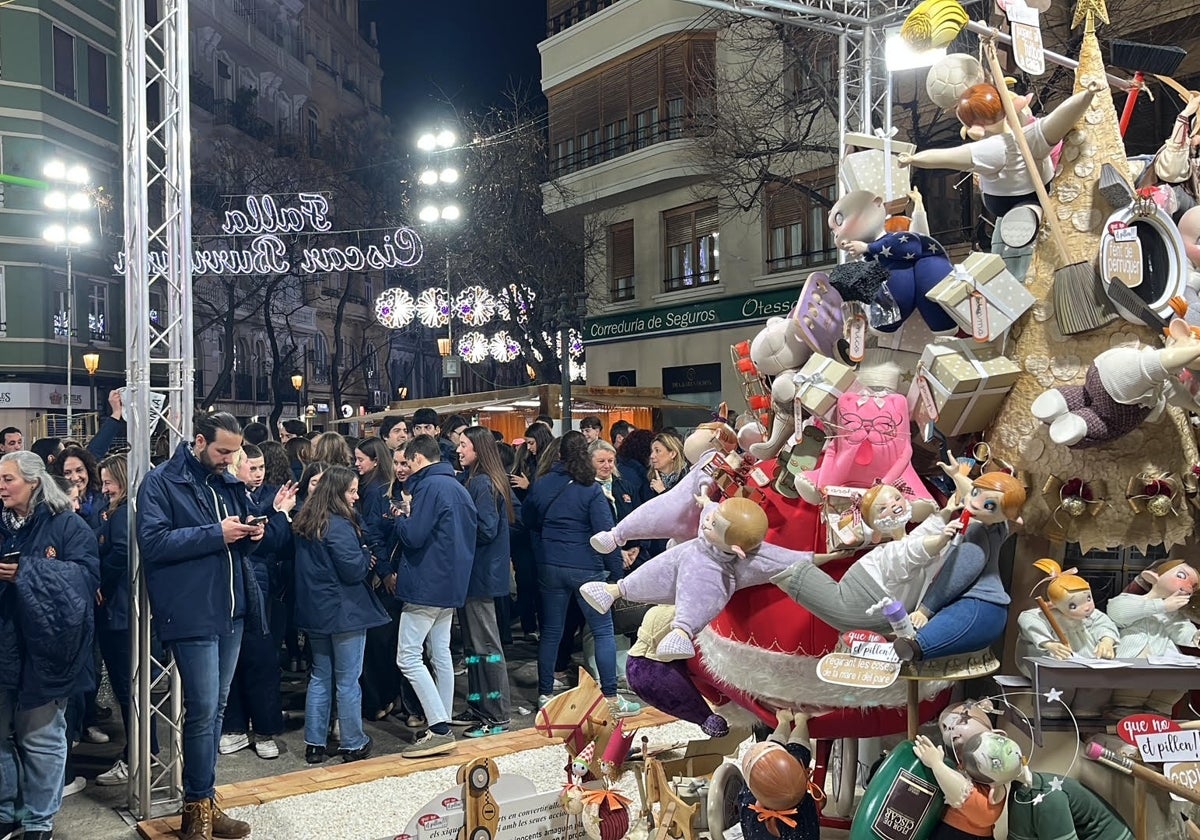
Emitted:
pixel 620 262
pixel 64 63
pixel 691 246
pixel 797 227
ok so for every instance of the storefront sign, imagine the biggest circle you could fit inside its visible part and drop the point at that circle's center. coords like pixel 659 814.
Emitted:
pixel 622 379
pixel 34 395
pixel 690 317
pixel 691 379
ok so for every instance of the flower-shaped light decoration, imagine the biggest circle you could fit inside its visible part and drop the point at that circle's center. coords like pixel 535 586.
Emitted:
pixel 504 347
pixel 575 344
pixel 513 303
pixel 473 347
pixel 537 354
pixel 578 371
pixel 475 306
pixel 433 308
pixel 395 308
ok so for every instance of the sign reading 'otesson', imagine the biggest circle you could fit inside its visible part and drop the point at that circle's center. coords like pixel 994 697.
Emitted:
pixel 267 221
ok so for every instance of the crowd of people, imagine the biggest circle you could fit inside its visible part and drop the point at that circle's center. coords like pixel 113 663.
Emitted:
pixel 349 558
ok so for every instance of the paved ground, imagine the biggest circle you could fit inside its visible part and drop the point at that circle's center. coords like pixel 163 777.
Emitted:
pixel 94 813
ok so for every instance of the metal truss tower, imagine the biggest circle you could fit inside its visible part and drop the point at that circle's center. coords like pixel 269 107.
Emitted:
pixel 156 142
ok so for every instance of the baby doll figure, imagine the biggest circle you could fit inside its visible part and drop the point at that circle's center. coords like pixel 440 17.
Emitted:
pixel 966 607
pixel 779 800
pixel 701 575
pixel 958 723
pixel 899 569
pixel 1088 632
pixel 974 801
pixel 1152 625
pixel 672 515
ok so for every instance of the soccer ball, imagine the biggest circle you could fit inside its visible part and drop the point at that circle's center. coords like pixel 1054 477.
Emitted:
pixel 950 77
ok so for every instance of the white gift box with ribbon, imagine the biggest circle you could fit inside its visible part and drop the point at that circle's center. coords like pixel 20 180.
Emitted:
pixel 819 384
pixel 874 166
pixel 960 385
pixel 982 279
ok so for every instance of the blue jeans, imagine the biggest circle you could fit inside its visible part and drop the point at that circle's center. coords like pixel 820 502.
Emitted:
pixel 420 626
pixel 206 669
pixel 963 626
pixel 337 664
pixel 40 750
pixel 558 584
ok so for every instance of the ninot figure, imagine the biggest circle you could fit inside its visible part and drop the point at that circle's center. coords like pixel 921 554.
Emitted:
pixel 700 575
pixel 779 799
pixel 966 606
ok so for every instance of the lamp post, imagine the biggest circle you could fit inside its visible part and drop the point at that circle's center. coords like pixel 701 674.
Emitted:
pixel 298 384
pixel 69 196
pixel 91 363
pixel 438 178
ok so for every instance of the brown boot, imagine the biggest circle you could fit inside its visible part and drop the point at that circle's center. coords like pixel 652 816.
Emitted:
pixel 225 826
pixel 197 820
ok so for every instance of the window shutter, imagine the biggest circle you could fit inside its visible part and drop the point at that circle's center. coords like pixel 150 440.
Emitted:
pixel 678 228
pixel 614 93
pixel 706 219
pixel 587 105
pixel 562 115
pixel 675 71
pixel 785 206
pixel 643 82
pixel 621 257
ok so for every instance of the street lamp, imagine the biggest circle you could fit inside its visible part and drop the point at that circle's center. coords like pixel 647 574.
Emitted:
pixel 437 177
pixel 91 363
pixel 69 196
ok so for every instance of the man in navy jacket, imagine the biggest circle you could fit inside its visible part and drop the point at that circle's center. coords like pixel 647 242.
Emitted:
pixel 195 541
pixel 437 541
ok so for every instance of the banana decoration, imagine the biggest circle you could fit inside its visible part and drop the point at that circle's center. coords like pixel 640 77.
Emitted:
pixel 933 23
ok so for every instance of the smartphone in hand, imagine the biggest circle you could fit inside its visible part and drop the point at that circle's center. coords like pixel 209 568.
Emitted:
pixel 12 558
pixel 257 520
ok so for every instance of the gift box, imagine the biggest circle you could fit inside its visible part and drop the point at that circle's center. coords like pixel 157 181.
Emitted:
pixel 819 384
pixel 966 381
pixel 1004 297
pixel 867 168
pixel 843 519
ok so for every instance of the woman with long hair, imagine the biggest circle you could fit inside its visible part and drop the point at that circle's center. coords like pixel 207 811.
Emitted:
pixel 112 625
pixel 565 507
pixel 537 438
pixel 299 452
pixel 633 458
pixel 336 607
pixel 78 466
pixel 278 470
pixel 46 632
pixel 667 463
pixel 331 448
pixel 488 696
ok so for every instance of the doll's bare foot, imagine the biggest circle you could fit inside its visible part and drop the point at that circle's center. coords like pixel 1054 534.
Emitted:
pixel 675 645
pixel 600 596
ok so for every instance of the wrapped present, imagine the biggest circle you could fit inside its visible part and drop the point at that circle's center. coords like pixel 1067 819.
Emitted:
pixel 982 296
pixel 963 382
pixel 819 384
pixel 841 509
pixel 875 159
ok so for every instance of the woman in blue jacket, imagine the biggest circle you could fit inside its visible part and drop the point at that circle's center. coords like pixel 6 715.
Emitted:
pixel 563 507
pixel 335 607
pixel 78 466
pixel 46 635
pixel 488 699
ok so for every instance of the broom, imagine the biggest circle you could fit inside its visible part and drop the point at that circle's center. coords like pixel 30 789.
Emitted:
pixel 1079 301
pixel 1143 59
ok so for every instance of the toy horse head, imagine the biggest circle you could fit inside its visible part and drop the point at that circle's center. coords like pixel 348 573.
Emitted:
pixel 577 718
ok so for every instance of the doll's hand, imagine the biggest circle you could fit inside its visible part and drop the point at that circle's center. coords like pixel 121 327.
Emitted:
pixel 702 500
pixel 914 195
pixel 918 619
pixel 1176 602
pixel 905 159
pixel 927 752
pixel 1057 649
pixel 952 528
pixel 1192 106
pixel 1106 649
pixel 853 247
pixel 1094 86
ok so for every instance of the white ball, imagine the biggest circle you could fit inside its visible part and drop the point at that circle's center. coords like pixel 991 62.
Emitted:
pixel 950 78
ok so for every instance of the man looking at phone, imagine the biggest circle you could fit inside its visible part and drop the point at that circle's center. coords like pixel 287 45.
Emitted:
pixel 195 540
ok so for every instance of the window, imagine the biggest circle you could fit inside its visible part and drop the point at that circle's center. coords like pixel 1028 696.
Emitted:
pixel 64 63
pixel 98 312
pixel 61 314
pixel 224 81
pixel 368 287
pixel 797 227
pixel 311 127
pixel 692 255
pixel 647 127
pixel 97 80
pixel 320 358
pixel 620 262
pixel 158 310
pixel 3 306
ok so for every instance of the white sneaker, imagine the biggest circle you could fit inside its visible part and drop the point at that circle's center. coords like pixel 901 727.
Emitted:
pixel 75 786
pixel 266 748
pixel 232 742
pixel 95 735
pixel 603 542
pixel 118 775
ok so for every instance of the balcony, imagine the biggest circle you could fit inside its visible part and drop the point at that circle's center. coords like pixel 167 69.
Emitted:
pixel 574 13
pixel 679 127
pixel 203 94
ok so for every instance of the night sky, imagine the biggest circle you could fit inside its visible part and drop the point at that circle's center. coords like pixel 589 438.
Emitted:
pixel 466 51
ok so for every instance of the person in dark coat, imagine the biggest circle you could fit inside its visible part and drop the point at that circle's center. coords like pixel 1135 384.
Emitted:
pixel 49 576
pixel 335 606
pixel 538 438
pixel 488 699
pixel 562 507
pixel 195 537
pixel 437 551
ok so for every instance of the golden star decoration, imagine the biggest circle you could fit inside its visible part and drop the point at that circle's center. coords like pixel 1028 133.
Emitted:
pixel 1084 10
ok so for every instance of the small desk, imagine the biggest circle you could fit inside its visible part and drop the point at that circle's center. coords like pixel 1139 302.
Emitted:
pixel 1047 673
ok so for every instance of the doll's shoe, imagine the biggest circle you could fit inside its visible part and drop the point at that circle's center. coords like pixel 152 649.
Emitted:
pixel 1068 430
pixel 907 650
pixel 1019 226
pixel 675 645
pixel 818 314
pixel 597 596
pixel 715 726
pixel 604 542
pixel 807 490
pixel 1049 406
